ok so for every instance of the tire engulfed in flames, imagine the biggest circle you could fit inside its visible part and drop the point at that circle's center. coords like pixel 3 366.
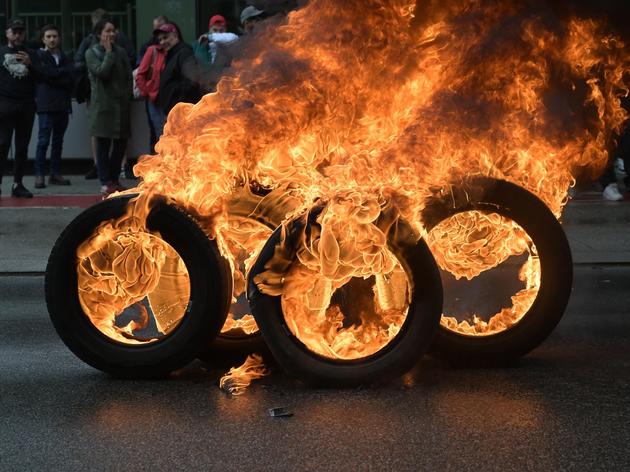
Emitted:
pixel 120 266
pixel 470 243
pixel 392 102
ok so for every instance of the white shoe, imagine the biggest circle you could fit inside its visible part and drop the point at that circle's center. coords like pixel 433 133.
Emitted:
pixel 620 169
pixel 611 192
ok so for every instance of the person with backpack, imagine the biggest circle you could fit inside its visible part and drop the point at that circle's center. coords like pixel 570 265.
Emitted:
pixel 53 98
pixel 148 83
pixel 82 89
pixel 112 90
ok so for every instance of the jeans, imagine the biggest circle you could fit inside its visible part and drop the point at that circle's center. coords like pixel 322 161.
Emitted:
pixel 152 137
pixel 19 117
pixel 108 164
pixel 54 124
pixel 158 118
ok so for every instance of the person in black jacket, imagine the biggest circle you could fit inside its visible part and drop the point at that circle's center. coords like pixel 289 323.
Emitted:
pixel 53 97
pixel 18 73
pixel 179 79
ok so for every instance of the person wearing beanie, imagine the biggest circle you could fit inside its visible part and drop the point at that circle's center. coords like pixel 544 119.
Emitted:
pixel 250 16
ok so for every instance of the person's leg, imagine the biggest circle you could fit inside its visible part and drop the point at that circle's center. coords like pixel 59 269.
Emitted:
pixel 152 134
pixel 60 124
pixel 92 173
pixel 102 159
pixel 6 133
pixel 23 129
pixel 118 151
pixel 158 118
pixel 43 138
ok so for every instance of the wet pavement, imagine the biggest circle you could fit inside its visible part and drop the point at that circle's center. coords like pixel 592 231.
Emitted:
pixel 566 406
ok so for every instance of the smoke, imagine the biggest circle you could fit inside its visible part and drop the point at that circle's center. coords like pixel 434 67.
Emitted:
pixel 372 94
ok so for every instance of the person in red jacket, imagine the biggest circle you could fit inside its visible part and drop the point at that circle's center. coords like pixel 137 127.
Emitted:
pixel 148 82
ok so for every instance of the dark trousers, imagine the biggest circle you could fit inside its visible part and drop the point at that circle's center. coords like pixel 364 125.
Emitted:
pixel 55 125
pixel 109 156
pixel 19 117
pixel 152 136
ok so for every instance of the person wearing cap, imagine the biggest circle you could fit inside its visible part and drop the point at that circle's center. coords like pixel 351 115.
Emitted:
pixel 250 16
pixel 148 82
pixel 152 41
pixel 213 51
pixel 179 79
pixel 111 84
pixel 18 74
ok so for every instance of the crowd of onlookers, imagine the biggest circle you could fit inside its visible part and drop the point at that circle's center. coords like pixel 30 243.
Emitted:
pixel 106 74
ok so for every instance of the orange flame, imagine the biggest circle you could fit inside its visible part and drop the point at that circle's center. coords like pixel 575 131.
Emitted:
pixel 236 381
pixel 386 106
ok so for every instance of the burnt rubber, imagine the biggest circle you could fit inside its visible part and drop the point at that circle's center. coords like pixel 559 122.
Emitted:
pixel 527 210
pixel 210 289
pixel 397 357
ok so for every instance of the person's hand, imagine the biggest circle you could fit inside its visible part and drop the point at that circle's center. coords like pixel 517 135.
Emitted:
pixel 24 58
pixel 203 38
pixel 106 42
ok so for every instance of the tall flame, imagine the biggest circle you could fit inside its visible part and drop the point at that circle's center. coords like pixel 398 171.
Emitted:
pixel 364 105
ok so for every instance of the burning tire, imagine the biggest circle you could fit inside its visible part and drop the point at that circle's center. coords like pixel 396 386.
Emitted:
pixel 546 274
pixel 422 294
pixel 150 326
pixel 260 212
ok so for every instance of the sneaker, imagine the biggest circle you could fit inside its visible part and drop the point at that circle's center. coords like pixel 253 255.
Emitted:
pixel 57 180
pixel 92 174
pixel 39 181
pixel 611 192
pixel 20 191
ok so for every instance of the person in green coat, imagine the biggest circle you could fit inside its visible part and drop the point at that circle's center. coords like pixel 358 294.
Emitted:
pixel 112 90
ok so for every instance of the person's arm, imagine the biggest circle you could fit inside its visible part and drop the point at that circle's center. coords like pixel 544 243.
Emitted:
pixel 79 56
pixel 59 76
pixel 100 68
pixel 223 37
pixel 31 60
pixel 142 75
pixel 201 52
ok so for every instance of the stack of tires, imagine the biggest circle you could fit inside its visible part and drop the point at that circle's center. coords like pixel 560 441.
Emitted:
pixel 197 331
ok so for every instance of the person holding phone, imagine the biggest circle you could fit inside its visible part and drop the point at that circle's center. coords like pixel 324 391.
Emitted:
pixel 18 74
pixel 112 90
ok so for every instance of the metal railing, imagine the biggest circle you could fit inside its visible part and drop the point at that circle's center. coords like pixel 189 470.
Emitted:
pixel 75 26
pixel 34 22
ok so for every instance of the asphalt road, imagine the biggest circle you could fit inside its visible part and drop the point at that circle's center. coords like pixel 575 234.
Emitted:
pixel 563 407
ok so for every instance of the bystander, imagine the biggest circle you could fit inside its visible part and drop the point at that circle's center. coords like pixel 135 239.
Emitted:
pixel 148 82
pixel 213 51
pixel 179 79
pixel 18 73
pixel 54 90
pixel 111 83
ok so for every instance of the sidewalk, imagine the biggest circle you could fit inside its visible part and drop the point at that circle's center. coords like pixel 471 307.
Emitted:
pixel 598 230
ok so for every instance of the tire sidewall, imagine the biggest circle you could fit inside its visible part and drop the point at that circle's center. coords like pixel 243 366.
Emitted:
pixel 209 294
